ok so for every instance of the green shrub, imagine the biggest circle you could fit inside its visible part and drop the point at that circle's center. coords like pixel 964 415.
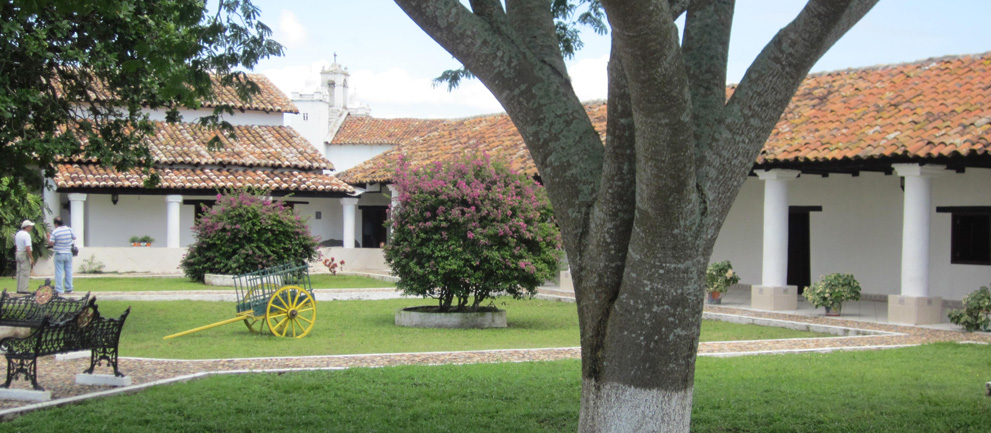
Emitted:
pixel 245 232
pixel 719 276
pixel 976 313
pixel 18 203
pixel 832 290
pixel 471 228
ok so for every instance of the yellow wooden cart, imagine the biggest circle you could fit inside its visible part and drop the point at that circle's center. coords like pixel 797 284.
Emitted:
pixel 279 298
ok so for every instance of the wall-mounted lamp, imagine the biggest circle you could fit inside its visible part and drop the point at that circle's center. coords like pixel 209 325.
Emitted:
pixel 113 198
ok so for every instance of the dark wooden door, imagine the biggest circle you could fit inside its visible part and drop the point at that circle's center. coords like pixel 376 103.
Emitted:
pixel 373 233
pixel 799 249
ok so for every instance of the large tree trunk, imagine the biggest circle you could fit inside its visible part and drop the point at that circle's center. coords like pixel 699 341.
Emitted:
pixel 639 214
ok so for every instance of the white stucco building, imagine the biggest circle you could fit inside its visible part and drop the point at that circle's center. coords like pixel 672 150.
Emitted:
pixel 106 208
pixel 881 172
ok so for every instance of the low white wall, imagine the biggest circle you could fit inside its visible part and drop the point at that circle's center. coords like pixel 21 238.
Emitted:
pixel 122 259
pixel 355 259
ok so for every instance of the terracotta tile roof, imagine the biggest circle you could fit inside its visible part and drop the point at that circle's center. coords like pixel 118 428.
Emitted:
pixel 256 146
pixel 268 99
pixel 931 109
pixel 494 135
pixel 368 130
pixel 269 157
pixel 928 109
pixel 94 176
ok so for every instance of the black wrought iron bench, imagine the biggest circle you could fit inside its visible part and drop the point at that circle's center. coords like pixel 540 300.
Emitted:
pixel 86 330
pixel 29 310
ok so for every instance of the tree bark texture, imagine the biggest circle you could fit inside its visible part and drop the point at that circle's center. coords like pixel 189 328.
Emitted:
pixel 639 212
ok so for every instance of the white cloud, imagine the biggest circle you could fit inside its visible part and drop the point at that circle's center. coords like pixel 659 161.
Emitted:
pixel 290 32
pixel 395 93
pixel 590 78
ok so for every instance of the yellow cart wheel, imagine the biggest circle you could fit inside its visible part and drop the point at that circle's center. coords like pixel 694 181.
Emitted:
pixel 251 321
pixel 291 312
pixel 254 324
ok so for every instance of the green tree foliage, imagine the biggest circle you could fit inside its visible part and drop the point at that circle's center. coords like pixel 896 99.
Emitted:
pixel 470 229
pixel 245 232
pixel 61 61
pixel 18 203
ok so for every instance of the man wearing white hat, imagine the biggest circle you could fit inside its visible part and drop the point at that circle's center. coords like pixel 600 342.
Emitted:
pixel 25 260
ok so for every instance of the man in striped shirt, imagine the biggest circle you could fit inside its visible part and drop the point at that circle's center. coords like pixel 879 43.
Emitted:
pixel 61 240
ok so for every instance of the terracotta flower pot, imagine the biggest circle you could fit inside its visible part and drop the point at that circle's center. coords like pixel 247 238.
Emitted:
pixel 835 310
pixel 714 297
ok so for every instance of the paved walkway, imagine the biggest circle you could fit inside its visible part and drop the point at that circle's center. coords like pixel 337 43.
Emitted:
pixel 861 331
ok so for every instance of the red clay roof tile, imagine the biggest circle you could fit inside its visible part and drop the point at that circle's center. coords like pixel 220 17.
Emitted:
pixel 94 176
pixel 926 109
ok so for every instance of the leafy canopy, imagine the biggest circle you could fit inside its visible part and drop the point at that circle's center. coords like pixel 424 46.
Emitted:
pixel 62 61
pixel 470 229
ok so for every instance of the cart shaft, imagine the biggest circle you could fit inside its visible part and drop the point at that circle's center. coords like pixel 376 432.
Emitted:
pixel 239 317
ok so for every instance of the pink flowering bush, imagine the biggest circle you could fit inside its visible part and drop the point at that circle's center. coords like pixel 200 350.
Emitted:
pixel 470 230
pixel 245 232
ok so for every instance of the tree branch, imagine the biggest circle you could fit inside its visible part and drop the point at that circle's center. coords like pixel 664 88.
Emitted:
pixel 767 88
pixel 534 23
pixel 604 259
pixel 706 52
pixel 565 147
pixel 647 42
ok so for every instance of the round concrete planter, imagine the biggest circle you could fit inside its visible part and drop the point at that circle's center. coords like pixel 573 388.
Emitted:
pixel 428 317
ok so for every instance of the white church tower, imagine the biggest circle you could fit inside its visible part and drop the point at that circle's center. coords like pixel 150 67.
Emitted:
pixel 323 110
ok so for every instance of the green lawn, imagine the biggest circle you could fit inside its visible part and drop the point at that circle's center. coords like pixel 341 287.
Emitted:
pixel 349 327
pixel 933 388
pixel 141 284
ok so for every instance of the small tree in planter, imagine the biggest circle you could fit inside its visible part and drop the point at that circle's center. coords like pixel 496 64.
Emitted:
pixel 245 232
pixel 469 230
pixel 831 291
pixel 976 313
pixel 718 279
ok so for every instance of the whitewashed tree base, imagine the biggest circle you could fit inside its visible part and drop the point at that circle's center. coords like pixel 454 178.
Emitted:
pixel 461 320
pixel 102 379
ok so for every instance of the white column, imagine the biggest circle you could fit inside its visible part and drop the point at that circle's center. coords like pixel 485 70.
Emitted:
pixel 173 205
pixel 52 205
pixel 775 259
pixel 350 206
pixel 915 227
pixel 77 209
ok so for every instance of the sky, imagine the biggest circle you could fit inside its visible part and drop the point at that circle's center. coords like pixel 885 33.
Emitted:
pixel 392 62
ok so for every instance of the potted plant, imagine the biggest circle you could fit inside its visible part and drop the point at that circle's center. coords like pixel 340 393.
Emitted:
pixel 976 313
pixel 831 291
pixel 141 241
pixel 718 278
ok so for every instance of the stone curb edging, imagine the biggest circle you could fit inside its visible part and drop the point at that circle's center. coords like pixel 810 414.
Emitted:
pixel 814 350
pixel 841 331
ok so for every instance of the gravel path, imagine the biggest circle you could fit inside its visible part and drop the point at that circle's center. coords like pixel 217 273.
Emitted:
pixel 58 376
